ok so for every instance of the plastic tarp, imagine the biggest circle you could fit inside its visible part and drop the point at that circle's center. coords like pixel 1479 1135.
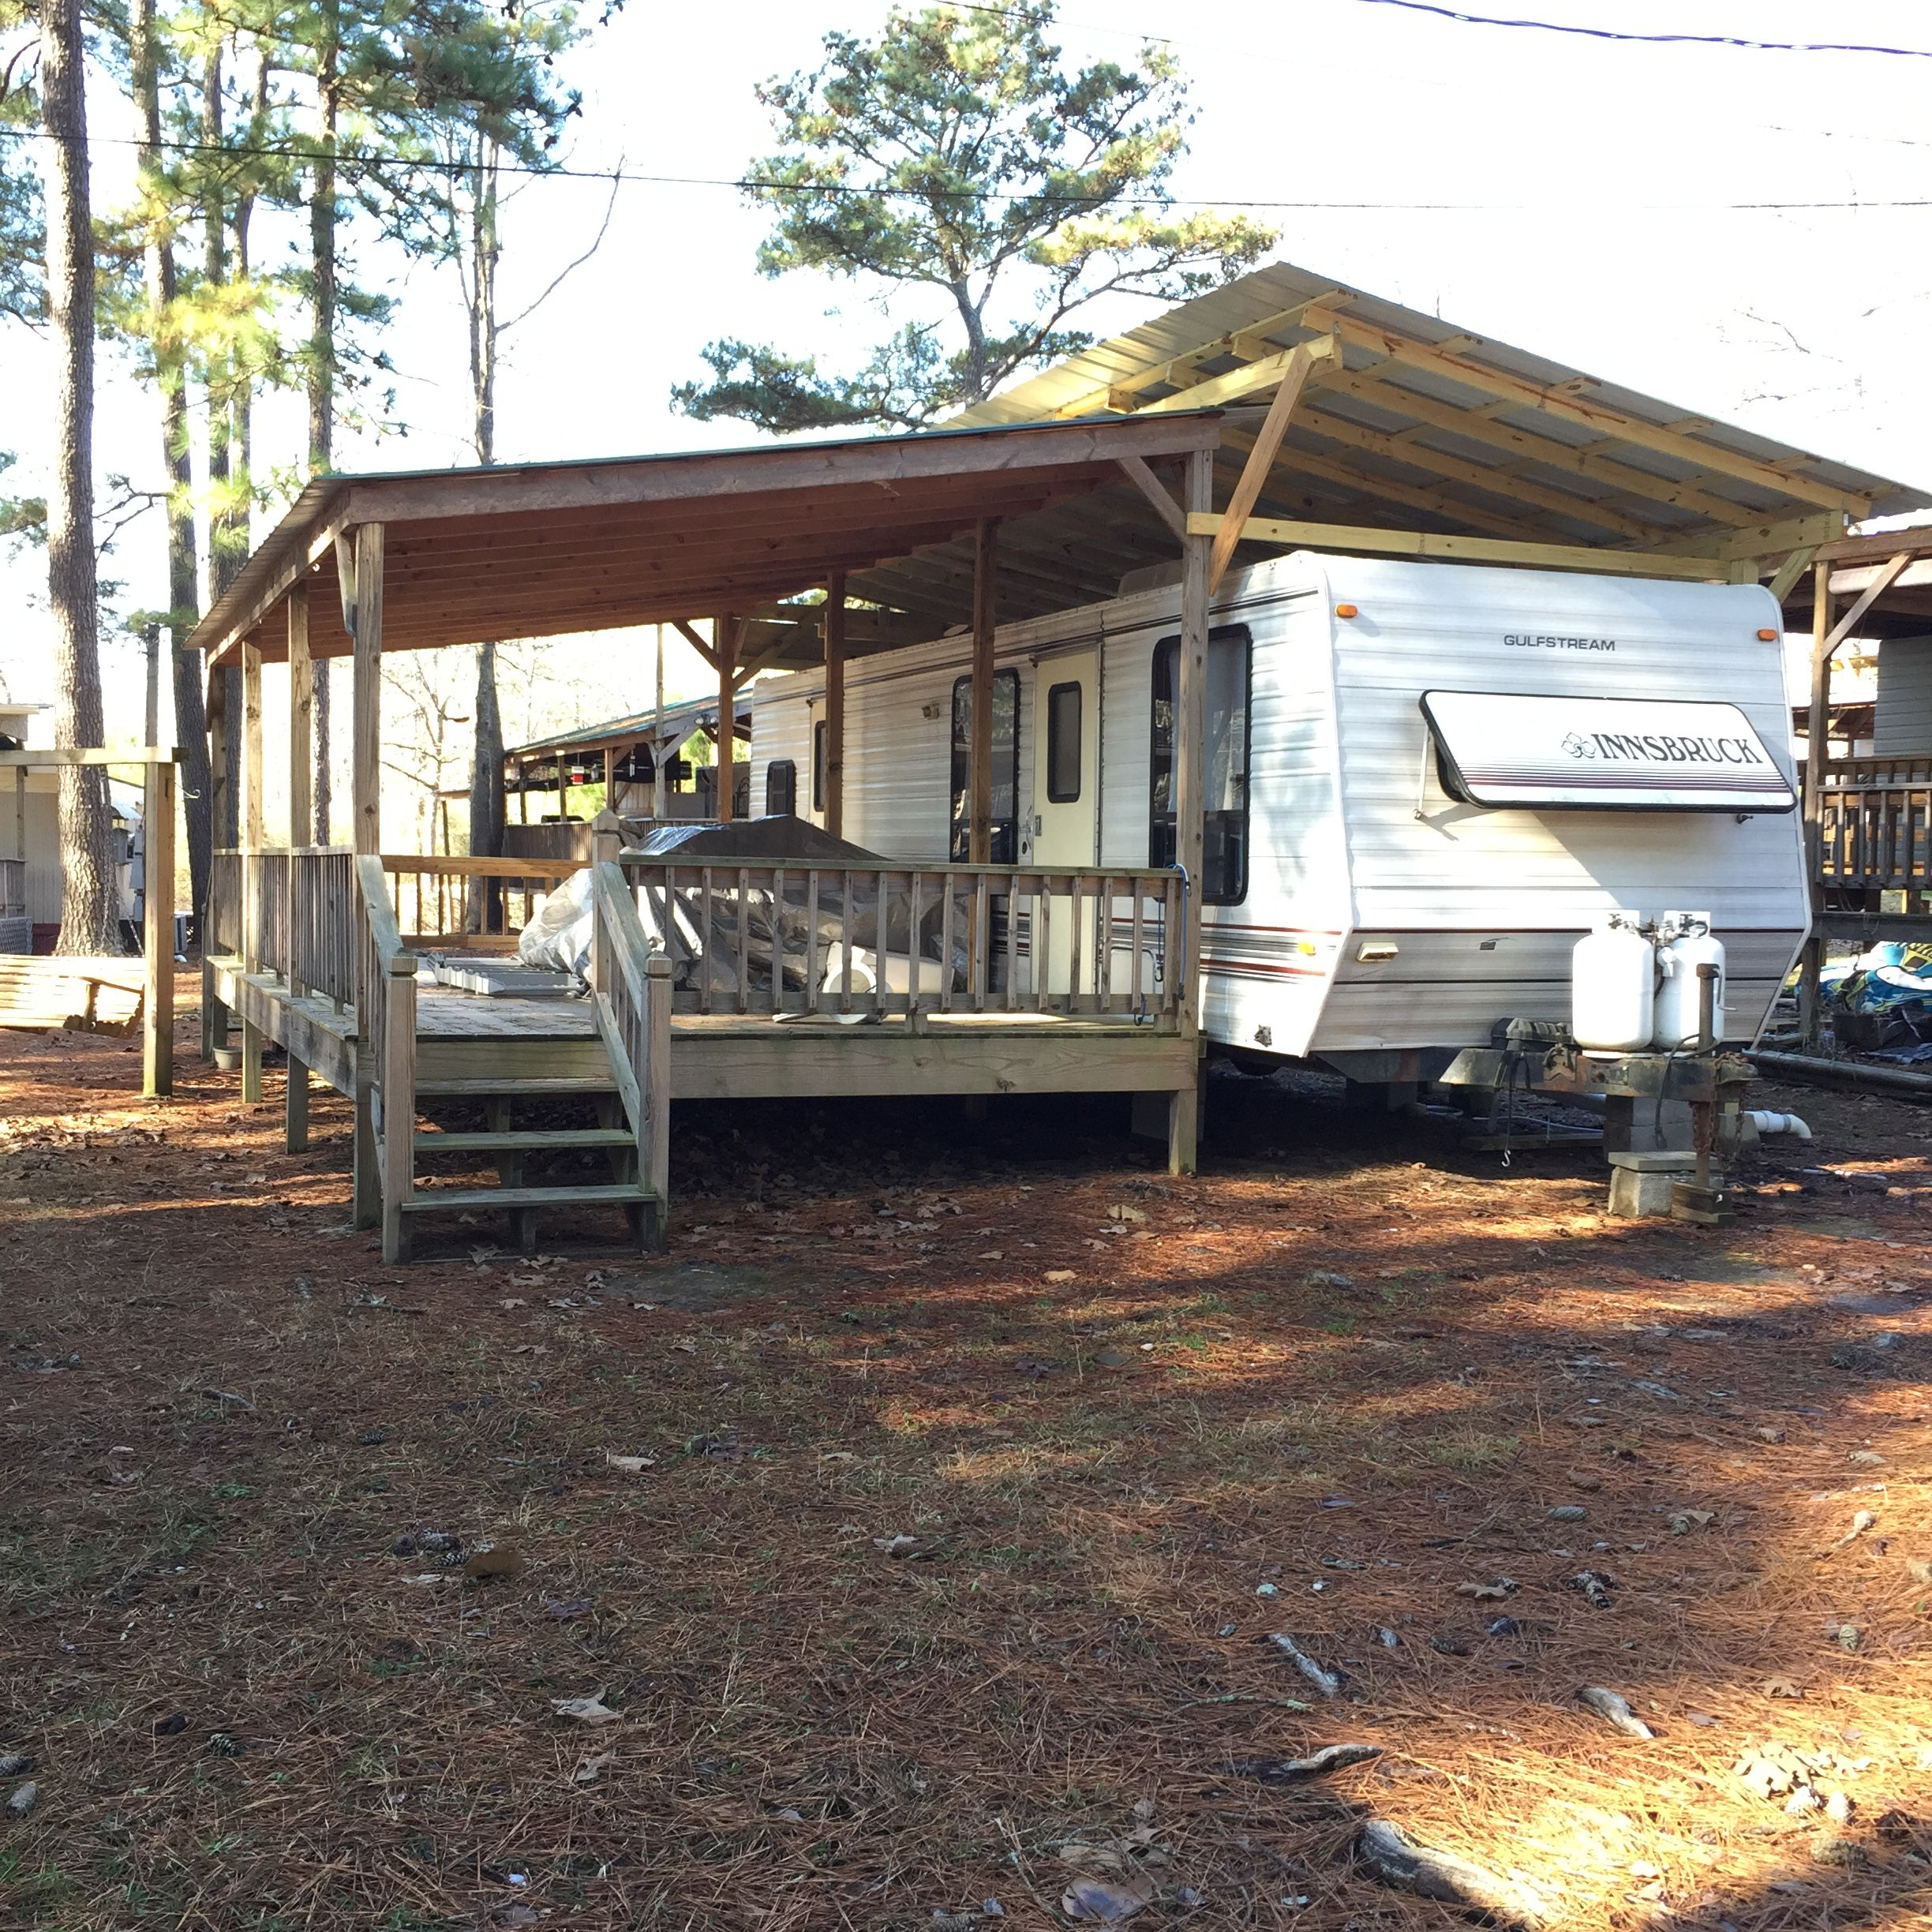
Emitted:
pixel 558 939
pixel 1884 1001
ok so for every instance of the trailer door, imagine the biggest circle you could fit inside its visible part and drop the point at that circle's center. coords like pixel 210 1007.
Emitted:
pixel 1066 762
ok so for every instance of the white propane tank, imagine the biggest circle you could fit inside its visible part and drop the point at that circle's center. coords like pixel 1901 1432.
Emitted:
pixel 1684 943
pixel 1613 986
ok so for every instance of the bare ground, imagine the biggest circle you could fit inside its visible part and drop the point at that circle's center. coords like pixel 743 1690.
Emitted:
pixel 975 1468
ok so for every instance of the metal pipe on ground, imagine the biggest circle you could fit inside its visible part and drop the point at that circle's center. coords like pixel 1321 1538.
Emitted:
pixel 1856 1075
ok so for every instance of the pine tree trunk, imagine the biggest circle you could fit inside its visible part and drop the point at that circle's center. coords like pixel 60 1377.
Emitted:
pixel 89 900
pixel 486 791
pixel 186 674
pixel 322 268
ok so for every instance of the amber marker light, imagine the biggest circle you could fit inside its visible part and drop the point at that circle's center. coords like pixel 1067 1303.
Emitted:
pixel 1347 610
pixel 1767 637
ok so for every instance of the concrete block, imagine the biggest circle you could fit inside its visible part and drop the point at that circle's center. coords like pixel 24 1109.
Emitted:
pixel 1655 1160
pixel 1636 1195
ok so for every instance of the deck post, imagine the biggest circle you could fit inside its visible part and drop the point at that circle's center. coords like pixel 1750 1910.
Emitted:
pixel 1190 756
pixel 834 779
pixel 158 931
pixel 657 746
pixel 362 612
pixel 301 814
pixel 1817 751
pixel 214 1014
pixel 724 631
pixel 251 844
pixel 654 1161
pixel 979 788
pixel 398 1047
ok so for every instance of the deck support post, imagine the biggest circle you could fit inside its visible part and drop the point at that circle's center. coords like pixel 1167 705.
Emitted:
pixel 1190 755
pixel 657 746
pixel 726 632
pixel 398 1048
pixel 654 1153
pixel 251 844
pixel 1818 752
pixel 979 788
pixel 214 1014
pixel 362 552
pixel 301 814
pixel 834 778
pixel 158 931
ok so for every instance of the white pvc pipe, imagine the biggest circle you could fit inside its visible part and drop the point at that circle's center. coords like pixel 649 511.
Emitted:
pixel 1769 1123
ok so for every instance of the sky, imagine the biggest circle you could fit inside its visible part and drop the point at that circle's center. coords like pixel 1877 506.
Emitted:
pixel 1741 232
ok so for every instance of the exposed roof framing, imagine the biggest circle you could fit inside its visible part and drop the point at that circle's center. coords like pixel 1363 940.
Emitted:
pixel 1483 433
pixel 543 550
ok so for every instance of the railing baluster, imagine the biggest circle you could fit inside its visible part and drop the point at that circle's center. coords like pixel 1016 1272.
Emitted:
pixel 744 939
pixel 945 942
pixel 708 939
pixel 810 1002
pixel 848 926
pixel 983 933
pixel 914 953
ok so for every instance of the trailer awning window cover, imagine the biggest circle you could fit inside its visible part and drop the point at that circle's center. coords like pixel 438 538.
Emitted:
pixel 1602 753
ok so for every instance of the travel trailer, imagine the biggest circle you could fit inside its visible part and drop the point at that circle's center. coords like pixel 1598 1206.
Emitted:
pixel 1425 783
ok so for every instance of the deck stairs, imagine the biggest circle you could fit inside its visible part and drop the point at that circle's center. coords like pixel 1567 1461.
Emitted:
pixel 562 1138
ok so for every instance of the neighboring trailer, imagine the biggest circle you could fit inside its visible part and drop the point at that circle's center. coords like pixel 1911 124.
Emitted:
pixel 1352 904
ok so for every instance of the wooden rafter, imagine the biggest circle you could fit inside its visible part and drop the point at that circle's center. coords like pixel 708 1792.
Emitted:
pixel 1466 549
pixel 1155 492
pixel 699 644
pixel 1293 378
pixel 1888 575
pixel 1250 379
pixel 1363 483
pixel 1564 404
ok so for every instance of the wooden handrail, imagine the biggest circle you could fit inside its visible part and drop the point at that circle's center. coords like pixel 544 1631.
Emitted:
pixel 631 988
pixel 386 1022
pixel 379 909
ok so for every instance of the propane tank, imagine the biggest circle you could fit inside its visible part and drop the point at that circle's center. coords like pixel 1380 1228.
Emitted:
pixel 1685 943
pixel 1612 986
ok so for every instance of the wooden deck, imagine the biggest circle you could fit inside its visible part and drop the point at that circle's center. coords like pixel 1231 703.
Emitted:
pixel 464 1036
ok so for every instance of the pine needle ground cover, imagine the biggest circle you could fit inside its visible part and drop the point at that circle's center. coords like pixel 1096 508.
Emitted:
pixel 908 1545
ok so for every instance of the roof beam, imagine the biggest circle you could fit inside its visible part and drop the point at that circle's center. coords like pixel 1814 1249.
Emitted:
pixel 1481 426
pixel 1555 400
pixel 1218 392
pixel 1261 457
pixel 1411 496
pixel 1465 550
pixel 1497 480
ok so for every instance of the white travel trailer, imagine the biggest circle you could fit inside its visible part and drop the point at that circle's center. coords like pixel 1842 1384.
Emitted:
pixel 1425 782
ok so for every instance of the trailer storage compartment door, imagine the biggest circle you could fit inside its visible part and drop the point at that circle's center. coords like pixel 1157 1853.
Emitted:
pixel 1513 748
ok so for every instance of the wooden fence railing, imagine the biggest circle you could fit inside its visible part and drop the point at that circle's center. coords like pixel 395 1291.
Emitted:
pixel 631 986
pixel 432 891
pixel 781 939
pixel 1875 825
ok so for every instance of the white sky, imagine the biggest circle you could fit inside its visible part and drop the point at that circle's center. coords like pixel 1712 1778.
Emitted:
pixel 1590 190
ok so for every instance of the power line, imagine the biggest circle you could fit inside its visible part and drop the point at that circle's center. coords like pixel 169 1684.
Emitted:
pixel 349 163
pixel 1652 39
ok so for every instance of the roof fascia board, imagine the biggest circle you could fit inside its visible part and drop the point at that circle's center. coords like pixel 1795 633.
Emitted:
pixel 898 459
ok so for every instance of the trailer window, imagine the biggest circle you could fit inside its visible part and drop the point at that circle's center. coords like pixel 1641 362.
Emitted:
pixel 1224 856
pixel 819 736
pixel 1063 744
pixel 1005 842
pixel 780 788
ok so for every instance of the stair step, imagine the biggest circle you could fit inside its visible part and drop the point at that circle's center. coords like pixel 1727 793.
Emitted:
pixel 434 1199
pixel 525 1138
pixel 488 1084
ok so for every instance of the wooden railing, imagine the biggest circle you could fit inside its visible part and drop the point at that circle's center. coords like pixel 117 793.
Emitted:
pixel 386 1028
pixel 914 940
pixel 12 888
pixel 291 914
pixel 631 986
pixel 1875 824
pixel 432 891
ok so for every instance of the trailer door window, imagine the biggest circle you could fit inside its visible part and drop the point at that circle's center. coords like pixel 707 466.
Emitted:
pixel 1224 860
pixel 1005 768
pixel 819 736
pixel 1063 744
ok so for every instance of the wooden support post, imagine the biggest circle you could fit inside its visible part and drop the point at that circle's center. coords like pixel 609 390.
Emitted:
pixel 214 1014
pixel 158 932
pixel 362 611
pixel 1190 759
pixel 979 790
pixel 301 829
pixel 726 635
pixel 398 1047
pixel 1817 751
pixel 252 831
pixel 654 1153
pixel 657 744
pixel 835 705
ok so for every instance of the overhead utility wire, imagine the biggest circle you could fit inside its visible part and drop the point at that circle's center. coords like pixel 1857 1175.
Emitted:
pixel 1653 39
pixel 348 164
